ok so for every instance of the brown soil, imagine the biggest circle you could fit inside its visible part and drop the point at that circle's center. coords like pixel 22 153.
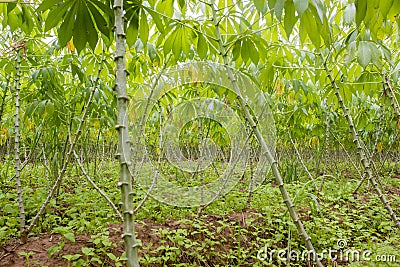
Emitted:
pixel 39 245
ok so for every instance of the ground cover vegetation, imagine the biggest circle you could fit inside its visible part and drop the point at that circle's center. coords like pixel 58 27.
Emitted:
pixel 71 132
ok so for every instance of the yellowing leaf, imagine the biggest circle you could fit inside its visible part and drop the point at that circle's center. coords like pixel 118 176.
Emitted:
pixel 290 97
pixel 30 126
pixel 279 87
pixel 379 147
pixel 70 46
pixel 314 141
pixel 96 124
pixel 4 131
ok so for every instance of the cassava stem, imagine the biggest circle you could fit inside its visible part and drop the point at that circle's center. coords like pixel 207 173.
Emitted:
pixel 392 96
pixel 124 153
pixel 356 139
pixel 16 143
pixel 66 159
pixel 98 189
pixel 264 147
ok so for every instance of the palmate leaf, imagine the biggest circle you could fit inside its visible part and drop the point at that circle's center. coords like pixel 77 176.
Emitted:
pixel 80 20
pixel 177 46
pixel 377 16
pixel 18 17
pixel 169 42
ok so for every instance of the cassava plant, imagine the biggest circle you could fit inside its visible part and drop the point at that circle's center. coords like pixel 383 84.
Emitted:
pixel 125 182
pixel 361 148
pixel 255 128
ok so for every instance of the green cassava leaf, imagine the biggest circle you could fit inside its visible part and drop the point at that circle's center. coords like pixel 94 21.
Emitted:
pixel 47 4
pixel 245 49
pixel 301 6
pixel 303 30
pixel 156 18
pixel 290 17
pixel 169 42
pixel 376 55
pixel 311 26
pixel 55 16
pixel 186 40
pixel 101 23
pixel 319 9
pixel 166 7
pixel 364 55
pixel 66 28
pixel 79 32
pixel 254 54
pixel 279 5
pixel 361 9
pixel 371 12
pixel 236 49
pixel 202 46
pixel 14 21
pixel 133 28
pixel 260 5
pixel 91 31
pixel 385 6
pixel 394 10
pixel 28 19
pixel 271 5
pixel 349 14
pixel 177 46
pixel 143 28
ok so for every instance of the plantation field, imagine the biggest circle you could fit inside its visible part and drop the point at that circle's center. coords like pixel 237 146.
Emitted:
pixel 80 229
pixel 199 133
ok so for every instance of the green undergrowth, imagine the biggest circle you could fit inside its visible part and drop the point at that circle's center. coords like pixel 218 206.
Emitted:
pixel 226 233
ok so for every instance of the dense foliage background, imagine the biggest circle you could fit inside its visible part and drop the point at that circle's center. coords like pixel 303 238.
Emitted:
pixel 330 71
